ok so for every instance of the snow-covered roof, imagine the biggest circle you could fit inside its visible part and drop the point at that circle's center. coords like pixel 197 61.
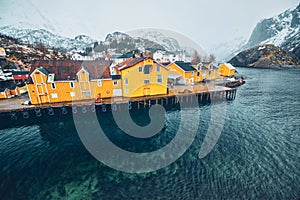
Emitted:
pixel 173 76
pixel 229 66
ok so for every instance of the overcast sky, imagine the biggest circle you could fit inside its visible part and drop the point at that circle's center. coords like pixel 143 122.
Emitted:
pixel 207 22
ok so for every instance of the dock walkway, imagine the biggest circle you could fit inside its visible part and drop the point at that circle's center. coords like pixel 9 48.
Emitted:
pixel 14 104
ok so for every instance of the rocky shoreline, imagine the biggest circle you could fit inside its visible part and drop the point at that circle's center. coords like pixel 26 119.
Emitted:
pixel 266 56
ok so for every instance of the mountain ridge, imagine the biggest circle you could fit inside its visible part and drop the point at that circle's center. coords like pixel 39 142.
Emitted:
pixel 282 30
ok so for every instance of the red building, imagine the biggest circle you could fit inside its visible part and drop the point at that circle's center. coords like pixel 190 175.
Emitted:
pixel 20 76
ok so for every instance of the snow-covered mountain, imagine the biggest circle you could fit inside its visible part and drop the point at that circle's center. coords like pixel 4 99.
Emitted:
pixel 42 36
pixel 117 40
pixel 170 40
pixel 282 30
pixel 122 43
pixel 169 43
pixel 226 50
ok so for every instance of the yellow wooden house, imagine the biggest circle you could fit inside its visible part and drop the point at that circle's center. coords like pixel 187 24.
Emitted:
pixel 185 70
pixel 9 90
pixel 10 93
pixel 189 72
pixel 63 81
pixel 226 69
pixel 142 77
pixel 210 71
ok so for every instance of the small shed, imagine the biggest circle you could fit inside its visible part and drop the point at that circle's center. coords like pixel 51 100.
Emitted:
pixel 226 69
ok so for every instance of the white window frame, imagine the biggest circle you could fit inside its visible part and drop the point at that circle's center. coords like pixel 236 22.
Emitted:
pixel 72 94
pixel 99 83
pixel 126 90
pixel 126 81
pixel 147 80
pixel 157 68
pixel 115 82
pixel 158 79
pixel 140 68
pixel 54 96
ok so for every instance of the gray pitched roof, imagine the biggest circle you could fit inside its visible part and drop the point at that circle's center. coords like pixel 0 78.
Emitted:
pixel 185 66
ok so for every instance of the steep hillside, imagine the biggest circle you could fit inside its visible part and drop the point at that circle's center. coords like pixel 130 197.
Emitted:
pixel 48 39
pixel 282 30
pixel 124 43
pixel 21 55
pixel 265 56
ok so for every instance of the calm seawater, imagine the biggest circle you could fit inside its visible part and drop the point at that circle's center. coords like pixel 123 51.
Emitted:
pixel 256 157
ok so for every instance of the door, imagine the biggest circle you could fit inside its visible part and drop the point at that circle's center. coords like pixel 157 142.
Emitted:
pixel 84 83
pixel 42 93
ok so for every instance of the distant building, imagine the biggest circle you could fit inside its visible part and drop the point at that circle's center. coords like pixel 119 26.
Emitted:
pixel 2 53
pixel 80 56
pixel 20 76
pixel 163 56
pixel 9 89
pixel 5 75
pixel 117 59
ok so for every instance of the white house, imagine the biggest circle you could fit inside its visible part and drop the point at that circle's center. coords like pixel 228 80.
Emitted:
pixel 2 52
pixel 78 56
pixel 162 56
pixel 116 59
pixel 5 76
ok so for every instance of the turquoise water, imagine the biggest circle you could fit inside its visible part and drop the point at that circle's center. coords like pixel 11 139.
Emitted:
pixel 256 157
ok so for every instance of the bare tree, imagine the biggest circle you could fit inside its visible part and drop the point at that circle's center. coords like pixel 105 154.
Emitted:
pixel 196 57
pixel 212 58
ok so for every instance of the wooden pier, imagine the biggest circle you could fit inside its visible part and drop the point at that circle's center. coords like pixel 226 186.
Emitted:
pixel 12 112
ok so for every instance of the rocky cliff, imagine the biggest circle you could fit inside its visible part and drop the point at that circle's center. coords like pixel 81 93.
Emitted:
pixel 265 56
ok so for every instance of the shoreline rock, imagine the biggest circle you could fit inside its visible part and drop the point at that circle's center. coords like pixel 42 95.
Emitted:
pixel 266 56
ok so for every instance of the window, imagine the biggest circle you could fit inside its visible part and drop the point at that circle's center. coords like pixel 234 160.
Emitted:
pixel 146 81
pixel 72 84
pixel 198 73
pixel 72 94
pixel 115 82
pixel 157 68
pixel 53 86
pixel 147 69
pixel 126 90
pixel 87 94
pixel 159 78
pixel 54 96
pixel 140 68
pixel 199 68
pixel 126 81
pixel 99 83
pixel 192 73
